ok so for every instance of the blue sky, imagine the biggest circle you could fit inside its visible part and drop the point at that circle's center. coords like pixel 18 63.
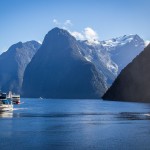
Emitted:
pixel 24 20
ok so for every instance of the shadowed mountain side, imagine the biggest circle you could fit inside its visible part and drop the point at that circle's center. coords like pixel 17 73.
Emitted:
pixel 133 83
pixel 58 70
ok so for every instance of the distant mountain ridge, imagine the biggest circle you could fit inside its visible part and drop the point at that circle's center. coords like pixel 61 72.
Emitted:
pixel 58 70
pixel 109 57
pixel 13 63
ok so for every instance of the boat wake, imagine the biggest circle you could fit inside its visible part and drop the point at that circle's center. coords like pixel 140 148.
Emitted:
pixel 21 103
pixel 20 108
pixel 147 115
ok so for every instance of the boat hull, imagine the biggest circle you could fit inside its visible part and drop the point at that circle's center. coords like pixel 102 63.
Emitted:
pixel 5 107
pixel 16 100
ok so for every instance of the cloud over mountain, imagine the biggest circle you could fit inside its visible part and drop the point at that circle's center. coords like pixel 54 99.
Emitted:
pixel 68 22
pixel 78 35
pixel 64 24
pixel 88 33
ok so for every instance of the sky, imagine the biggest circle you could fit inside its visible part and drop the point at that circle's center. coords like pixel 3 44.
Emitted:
pixel 25 20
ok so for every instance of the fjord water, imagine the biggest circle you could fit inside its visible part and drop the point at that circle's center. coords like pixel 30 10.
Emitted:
pixel 75 124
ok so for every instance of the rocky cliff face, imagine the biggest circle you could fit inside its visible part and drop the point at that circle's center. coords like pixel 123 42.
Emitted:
pixel 124 49
pixel 58 70
pixel 13 63
pixel 98 55
pixel 111 56
pixel 133 84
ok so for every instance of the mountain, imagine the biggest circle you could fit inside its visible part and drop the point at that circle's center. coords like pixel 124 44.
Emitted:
pixel 133 84
pixel 58 70
pixel 124 49
pixel 98 55
pixel 13 63
pixel 111 56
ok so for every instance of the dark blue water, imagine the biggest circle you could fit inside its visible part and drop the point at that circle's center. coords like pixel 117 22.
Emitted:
pixel 75 125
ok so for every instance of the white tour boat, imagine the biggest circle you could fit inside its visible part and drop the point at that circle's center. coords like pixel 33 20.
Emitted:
pixel 15 98
pixel 5 104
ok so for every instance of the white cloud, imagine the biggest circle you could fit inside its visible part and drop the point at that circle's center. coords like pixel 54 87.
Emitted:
pixel 55 21
pixel 78 35
pixel 68 23
pixel 64 24
pixel 87 34
pixel 90 34
pixel 147 42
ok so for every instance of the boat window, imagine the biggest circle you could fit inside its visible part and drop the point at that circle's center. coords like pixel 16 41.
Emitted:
pixel 5 101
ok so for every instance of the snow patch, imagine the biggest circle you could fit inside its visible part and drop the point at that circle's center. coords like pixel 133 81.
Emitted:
pixel 147 42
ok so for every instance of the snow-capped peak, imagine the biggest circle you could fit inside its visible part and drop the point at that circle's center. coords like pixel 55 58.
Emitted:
pixel 122 40
pixel 147 42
